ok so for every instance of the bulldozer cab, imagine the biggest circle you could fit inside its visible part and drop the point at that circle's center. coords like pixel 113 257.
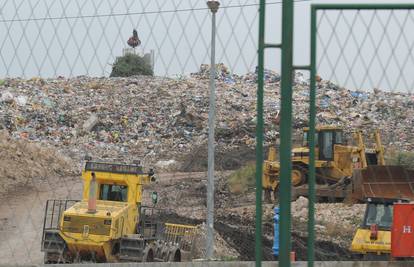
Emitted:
pixel 326 138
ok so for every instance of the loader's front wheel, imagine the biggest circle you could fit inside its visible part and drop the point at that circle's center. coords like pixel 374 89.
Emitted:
pixel 298 176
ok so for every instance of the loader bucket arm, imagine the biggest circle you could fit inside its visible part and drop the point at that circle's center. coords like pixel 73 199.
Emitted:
pixel 272 154
pixel 379 181
pixel 361 148
pixel 379 148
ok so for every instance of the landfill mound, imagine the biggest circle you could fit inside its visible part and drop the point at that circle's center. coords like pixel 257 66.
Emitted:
pixel 24 163
pixel 164 119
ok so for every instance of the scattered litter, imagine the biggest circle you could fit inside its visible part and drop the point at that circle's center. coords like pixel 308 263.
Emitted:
pixel 7 97
pixel 21 100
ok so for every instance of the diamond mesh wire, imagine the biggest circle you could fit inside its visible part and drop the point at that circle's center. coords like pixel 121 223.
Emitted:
pixel 369 52
pixel 52 38
pixel 69 47
pixel 363 62
pixel 366 49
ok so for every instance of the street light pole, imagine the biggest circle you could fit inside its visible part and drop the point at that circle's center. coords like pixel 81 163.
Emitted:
pixel 213 6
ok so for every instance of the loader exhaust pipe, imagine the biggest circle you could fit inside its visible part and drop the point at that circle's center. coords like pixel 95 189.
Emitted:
pixel 92 195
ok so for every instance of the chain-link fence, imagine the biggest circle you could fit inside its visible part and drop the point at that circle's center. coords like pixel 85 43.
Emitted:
pixel 64 97
pixel 359 63
pixel 52 38
pixel 78 82
pixel 361 56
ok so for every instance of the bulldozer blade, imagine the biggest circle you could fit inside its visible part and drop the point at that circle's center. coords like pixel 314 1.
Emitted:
pixel 378 181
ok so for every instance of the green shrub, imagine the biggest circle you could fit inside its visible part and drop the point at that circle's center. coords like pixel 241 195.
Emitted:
pixel 401 158
pixel 130 65
pixel 243 179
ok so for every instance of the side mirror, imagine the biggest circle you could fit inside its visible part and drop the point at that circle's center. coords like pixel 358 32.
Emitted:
pixel 154 197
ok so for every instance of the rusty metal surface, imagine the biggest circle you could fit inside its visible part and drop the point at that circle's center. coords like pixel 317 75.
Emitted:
pixel 383 182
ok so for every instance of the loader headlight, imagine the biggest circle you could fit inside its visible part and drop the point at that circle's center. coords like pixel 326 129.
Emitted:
pixel 107 222
pixel 67 218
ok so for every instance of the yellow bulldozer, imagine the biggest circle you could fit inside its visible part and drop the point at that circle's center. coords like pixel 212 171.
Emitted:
pixel 110 224
pixel 338 168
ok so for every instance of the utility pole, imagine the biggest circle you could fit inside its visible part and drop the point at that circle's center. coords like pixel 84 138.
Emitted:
pixel 213 6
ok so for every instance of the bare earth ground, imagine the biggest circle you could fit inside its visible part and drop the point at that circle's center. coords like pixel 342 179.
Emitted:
pixel 183 194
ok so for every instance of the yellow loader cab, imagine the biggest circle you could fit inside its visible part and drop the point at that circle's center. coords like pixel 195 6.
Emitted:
pixel 335 160
pixel 108 224
pixel 372 239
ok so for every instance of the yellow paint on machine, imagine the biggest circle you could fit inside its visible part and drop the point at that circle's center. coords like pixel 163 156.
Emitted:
pixel 94 232
pixel 362 243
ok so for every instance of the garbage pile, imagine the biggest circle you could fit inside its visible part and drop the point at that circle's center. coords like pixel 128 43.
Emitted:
pixel 158 118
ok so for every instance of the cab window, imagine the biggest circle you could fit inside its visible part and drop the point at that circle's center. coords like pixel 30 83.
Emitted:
pixel 305 139
pixel 379 214
pixel 113 192
pixel 326 152
pixel 339 138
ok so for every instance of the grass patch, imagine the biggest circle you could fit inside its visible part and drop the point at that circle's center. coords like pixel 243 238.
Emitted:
pixel 229 258
pixel 242 179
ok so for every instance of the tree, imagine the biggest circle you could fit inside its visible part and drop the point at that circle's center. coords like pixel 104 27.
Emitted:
pixel 130 65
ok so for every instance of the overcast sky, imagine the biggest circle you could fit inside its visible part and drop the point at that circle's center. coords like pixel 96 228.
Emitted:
pixel 69 38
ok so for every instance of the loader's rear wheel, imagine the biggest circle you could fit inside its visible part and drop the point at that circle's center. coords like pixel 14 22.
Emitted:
pixel 298 176
pixel 148 255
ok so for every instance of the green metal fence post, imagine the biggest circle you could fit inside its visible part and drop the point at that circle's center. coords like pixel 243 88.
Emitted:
pixel 259 135
pixel 311 137
pixel 286 133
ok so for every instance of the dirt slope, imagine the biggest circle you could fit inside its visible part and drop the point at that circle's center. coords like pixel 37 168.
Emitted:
pixel 22 161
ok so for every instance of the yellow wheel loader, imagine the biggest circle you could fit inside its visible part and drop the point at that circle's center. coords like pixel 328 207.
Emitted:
pixel 338 166
pixel 110 224
pixel 372 239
